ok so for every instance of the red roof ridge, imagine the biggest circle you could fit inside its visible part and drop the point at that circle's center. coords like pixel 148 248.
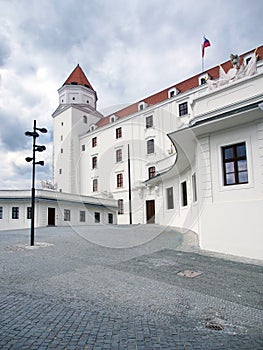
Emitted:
pixel 182 86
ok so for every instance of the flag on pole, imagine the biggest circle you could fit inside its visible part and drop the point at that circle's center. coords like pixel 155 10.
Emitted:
pixel 206 43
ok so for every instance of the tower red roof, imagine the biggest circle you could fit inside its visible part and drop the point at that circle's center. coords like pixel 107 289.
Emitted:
pixel 78 77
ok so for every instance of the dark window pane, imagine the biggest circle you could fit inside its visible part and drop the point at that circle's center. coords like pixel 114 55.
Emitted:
pixel 241 151
pixel 242 165
pixel 229 167
pixel 243 177
pixel 229 153
pixel 230 179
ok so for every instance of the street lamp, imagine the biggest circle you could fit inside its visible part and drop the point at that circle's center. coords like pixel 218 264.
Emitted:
pixel 36 148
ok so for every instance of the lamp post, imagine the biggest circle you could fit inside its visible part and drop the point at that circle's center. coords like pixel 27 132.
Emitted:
pixel 36 148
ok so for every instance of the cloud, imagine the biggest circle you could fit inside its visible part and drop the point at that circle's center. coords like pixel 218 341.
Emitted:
pixel 128 50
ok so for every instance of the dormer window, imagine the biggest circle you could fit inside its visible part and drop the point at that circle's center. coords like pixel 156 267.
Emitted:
pixel 172 92
pixel 92 127
pixel 113 118
pixel 142 105
pixel 74 83
pixel 203 78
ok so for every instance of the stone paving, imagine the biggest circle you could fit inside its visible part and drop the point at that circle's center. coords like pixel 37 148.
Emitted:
pixel 108 287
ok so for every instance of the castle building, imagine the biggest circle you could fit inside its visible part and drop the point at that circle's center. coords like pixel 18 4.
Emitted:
pixel 189 156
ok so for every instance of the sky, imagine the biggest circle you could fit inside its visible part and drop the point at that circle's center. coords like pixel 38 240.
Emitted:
pixel 128 50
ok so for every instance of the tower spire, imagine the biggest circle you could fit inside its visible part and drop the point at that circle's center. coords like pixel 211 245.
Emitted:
pixel 78 77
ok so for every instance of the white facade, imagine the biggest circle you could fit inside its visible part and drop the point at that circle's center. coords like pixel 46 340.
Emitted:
pixel 187 190
pixel 53 209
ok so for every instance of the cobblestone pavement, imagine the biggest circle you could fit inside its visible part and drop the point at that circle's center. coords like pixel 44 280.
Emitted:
pixel 103 287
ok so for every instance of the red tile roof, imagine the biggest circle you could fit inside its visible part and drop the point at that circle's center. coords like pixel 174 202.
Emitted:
pixel 78 77
pixel 181 87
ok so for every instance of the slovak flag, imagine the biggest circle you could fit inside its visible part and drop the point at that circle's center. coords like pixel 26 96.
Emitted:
pixel 206 43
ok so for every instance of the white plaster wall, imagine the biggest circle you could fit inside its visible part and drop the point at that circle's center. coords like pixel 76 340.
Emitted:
pixel 231 222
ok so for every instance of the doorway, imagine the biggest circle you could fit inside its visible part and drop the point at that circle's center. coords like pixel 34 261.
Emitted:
pixel 51 216
pixel 150 212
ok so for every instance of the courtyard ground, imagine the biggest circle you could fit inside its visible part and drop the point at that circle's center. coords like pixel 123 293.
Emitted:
pixel 129 287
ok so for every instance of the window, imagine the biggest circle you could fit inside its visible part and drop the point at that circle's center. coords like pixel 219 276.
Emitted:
pixel 94 142
pixel 61 138
pixel 151 172
pixel 172 92
pixel 94 162
pixel 1 212
pixel 60 171
pixel 120 207
pixel 170 198
pixel 118 133
pixel 119 180
pixel 15 212
pixel 183 108
pixel 119 155
pixel 66 215
pixel 184 193
pixel 83 148
pixel 85 119
pixel 110 218
pixel 62 123
pixel 149 122
pixel 150 146
pixel 29 213
pixel 95 185
pixel 202 81
pixel 82 216
pixel 97 217
pixel 194 186
pixel 73 98
pixel 235 164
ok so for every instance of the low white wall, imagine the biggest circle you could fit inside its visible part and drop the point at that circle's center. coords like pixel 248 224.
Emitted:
pixel 233 228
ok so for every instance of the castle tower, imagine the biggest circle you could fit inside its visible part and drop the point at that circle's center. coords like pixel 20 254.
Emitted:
pixel 73 117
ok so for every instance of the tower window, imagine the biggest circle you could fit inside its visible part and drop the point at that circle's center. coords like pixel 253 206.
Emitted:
pixel 83 148
pixel 73 98
pixel 1 212
pixel 85 119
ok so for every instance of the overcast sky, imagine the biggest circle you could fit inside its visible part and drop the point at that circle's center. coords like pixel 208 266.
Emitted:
pixel 128 49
